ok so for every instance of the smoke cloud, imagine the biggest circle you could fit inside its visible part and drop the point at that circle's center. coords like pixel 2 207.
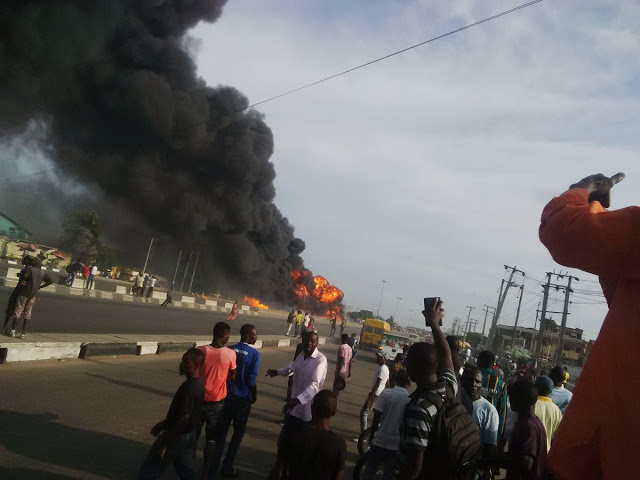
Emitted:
pixel 126 114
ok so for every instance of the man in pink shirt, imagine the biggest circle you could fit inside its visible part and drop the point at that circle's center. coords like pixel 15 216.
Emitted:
pixel 219 367
pixel 343 367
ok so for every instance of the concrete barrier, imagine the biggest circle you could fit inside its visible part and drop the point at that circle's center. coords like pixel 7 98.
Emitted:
pixel 99 349
pixel 164 347
pixel 211 303
pixel 122 289
pixel 20 352
pixel 147 348
pixel 188 299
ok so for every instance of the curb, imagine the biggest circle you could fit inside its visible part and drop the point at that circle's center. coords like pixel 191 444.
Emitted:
pixel 31 351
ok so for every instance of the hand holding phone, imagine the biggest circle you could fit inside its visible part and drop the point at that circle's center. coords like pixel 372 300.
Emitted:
pixel 433 311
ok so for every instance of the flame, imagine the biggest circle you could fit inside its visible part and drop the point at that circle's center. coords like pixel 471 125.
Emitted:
pixel 324 298
pixel 254 302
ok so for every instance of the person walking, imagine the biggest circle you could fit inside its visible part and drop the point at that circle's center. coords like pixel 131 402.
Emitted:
pixel 290 319
pixel 333 322
pixel 234 311
pixel 219 367
pixel 309 371
pixel 547 411
pixel 559 394
pixel 379 383
pixel 241 394
pixel 343 367
pixel 177 432
pixel 33 280
pixel 353 343
pixel 169 298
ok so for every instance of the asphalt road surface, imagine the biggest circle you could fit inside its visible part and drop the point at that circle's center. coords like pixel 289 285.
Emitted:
pixel 58 313
pixel 90 419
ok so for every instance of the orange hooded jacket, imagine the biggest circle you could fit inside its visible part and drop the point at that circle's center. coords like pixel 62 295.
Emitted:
pixel 598 437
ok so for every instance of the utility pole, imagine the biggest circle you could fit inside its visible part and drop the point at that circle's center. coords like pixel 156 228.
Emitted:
pixel 515 326
pixel 466 327
pixel 177 266
pixel 193 274
pixel 380 302
pixel 453 327
pixel 474 324
pixel 565 313
pixel 486 312
pixel 545 300
pixel 184 276
pixel 144 269
pixel 494 322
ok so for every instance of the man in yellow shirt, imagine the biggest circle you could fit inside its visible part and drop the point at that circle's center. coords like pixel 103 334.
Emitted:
pixel 547 411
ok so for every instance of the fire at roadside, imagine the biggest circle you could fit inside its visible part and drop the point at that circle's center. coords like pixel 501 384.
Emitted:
pixel 316 295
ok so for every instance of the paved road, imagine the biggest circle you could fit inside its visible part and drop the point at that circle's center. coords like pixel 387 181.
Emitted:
pixel 58 313
pixel 90 419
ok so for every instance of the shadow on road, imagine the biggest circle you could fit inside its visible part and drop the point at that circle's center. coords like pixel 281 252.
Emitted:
pixel 137 386
pixel 41 438
pixel 28 474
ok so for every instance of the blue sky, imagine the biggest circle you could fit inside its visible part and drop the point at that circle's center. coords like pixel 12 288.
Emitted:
pixel 430 170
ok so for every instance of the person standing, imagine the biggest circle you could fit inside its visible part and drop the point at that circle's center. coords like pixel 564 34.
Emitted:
pixel 353 343
pixel 388 416
pixel 306 323
pixel 494 389
pixel 138 283
pixel 343 367
pixel 33 279
pixel 580 232
pixel 219 367
pixel 241 394
pixel 313 452
pixel 396 366
pixel 19 290
pixel 234 311
pixel 177 432
pixel 343 325
pixel 85 275
pixel 528 442
pixel 484 413
pixel 93 270
pixel 547 411
pixel 309 371
pixel 290 319
pixel 299 318
pixel 169 298
pixel 559 394
pixel 152 283
pixel 333 322
pixel 379 383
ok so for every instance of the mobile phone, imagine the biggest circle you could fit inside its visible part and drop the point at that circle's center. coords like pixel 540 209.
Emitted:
pixel 429 302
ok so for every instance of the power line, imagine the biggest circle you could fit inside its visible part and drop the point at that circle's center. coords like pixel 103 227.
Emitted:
pixel 331 77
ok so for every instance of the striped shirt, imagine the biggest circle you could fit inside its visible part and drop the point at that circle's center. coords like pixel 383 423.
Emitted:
pixel 420 413
pixel 494 390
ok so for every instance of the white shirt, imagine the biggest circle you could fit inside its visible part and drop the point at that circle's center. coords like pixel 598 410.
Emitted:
pixel 93 270
pixel 307 319
pixel 391 404
pixel 308 377
pixel 383 375
pixel 486 417
pixel 152 282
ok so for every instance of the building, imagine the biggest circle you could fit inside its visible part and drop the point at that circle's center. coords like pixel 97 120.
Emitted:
pixel 574 348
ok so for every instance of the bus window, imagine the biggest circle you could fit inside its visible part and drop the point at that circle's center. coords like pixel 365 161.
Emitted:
pixel 378 331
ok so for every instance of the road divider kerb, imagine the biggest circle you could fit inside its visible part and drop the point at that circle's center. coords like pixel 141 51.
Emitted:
pixel 16 350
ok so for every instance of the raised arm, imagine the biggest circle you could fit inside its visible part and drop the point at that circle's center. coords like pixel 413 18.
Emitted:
pixel 432 319
pixel 586 236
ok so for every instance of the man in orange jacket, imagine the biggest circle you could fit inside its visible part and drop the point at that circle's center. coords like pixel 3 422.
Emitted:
pixel 596 439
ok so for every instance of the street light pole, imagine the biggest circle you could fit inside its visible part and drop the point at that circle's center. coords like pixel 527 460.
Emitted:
pixel 380 301
pixel 396 310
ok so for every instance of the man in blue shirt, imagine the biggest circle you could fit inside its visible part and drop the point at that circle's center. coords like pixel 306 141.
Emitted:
pixel 241 394
pixel 494 390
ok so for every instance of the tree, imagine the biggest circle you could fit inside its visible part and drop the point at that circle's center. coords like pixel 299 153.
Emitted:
pixel 82 236
pixel 549 325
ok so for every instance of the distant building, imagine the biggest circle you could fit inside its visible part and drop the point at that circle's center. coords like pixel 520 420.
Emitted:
pixel 574 348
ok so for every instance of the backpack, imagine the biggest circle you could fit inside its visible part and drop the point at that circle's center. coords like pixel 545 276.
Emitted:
pixel 454 441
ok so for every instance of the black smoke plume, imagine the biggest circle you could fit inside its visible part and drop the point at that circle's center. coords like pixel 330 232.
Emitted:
pixel 125 111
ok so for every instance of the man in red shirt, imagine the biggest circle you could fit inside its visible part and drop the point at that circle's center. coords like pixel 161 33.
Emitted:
pixel 219 367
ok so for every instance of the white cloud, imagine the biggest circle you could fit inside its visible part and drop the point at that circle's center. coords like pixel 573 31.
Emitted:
pixel 430 169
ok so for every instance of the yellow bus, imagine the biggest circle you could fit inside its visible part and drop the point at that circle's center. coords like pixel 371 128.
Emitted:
pixel 372 332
